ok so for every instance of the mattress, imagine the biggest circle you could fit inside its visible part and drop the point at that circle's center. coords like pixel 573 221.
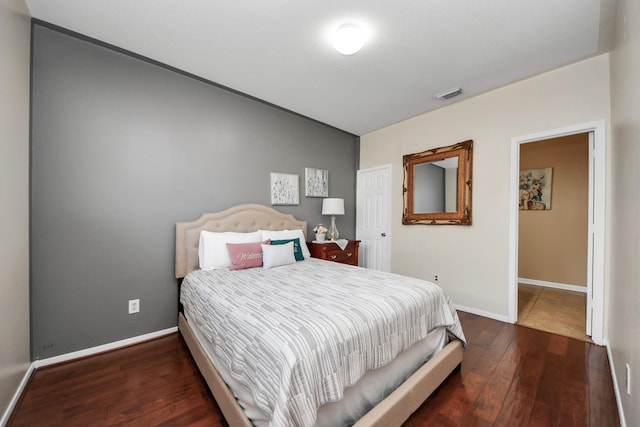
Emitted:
pixel 291 340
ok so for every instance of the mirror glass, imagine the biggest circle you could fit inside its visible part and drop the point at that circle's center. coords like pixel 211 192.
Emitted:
pixel 437 185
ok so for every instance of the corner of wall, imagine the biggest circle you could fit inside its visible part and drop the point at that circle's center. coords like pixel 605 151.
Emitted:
pixel 15 30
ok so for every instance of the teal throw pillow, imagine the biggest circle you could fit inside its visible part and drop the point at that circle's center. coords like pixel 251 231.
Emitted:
pixel 297 250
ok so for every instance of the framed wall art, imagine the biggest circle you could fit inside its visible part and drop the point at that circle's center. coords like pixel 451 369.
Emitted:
pixel 316 182
pixel 535 189
pixel 284 189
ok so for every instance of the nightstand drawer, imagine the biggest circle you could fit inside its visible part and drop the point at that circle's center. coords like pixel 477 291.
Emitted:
pixel 331 252
pixel 340 255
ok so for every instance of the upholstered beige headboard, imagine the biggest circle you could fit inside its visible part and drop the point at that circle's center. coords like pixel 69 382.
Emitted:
pixel 242 218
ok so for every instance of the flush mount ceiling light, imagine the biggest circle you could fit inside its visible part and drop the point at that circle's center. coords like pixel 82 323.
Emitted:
pixel 348 39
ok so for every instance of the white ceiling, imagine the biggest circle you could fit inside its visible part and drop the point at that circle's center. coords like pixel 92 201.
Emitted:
pixel 280 50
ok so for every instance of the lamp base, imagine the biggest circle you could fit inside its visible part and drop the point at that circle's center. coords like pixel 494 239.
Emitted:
pixel 333 234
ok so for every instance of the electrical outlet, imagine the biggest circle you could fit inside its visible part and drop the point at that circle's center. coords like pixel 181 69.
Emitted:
pixel 627 378
pixel 435 278
pixel 134 306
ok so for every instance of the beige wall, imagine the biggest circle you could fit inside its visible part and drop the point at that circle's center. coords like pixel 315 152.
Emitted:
pixel 623 330
pixel 14 197
pixel 472 262
pixel 552 244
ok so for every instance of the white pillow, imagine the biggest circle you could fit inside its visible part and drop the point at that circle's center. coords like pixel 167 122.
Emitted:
pixel 212 249
pixel 288 234
pixel 276 255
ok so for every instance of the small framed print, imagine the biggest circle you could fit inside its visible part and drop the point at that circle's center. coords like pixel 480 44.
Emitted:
pixel 535 189
pixel 284 189
pixel 316 182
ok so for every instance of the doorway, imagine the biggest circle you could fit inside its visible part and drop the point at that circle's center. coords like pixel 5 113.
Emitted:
pixel 553 235
pixel 595 222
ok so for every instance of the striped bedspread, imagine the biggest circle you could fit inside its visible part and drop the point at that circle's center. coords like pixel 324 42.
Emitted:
pixel 297 335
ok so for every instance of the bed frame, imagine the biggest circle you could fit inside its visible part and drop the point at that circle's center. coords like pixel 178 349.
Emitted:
pixel 392 411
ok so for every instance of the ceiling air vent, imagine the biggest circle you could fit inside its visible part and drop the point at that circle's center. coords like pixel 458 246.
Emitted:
pixel 448 94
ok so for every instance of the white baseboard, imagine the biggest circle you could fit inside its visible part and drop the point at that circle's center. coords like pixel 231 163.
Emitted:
pixel 16 396
pixel 482 313
pixel 564 286
pixel 102 348
pixel 616 388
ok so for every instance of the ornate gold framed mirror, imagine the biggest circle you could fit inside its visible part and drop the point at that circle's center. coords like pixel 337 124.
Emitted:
pixel 437 185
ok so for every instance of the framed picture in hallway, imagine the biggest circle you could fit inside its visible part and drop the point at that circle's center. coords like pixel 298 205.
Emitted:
pixel 535 189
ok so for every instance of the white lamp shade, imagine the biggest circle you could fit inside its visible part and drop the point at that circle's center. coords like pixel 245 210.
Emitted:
pixel 333 206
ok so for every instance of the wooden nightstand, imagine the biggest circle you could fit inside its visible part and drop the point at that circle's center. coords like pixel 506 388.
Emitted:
pixel 331 252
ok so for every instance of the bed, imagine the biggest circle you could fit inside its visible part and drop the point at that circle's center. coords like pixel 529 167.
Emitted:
pixel 239 402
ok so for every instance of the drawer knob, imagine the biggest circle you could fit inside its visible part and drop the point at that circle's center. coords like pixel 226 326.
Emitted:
pixel 349 254
pixel 334 256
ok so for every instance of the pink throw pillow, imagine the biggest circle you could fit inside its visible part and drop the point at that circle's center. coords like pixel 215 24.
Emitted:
pixel 245 255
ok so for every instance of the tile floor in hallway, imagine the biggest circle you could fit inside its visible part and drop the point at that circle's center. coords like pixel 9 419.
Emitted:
pixel 553 310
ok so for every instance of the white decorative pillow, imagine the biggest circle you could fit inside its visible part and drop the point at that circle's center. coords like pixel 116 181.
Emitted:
pixel 276 255
pixel 212 249
pixel 288 234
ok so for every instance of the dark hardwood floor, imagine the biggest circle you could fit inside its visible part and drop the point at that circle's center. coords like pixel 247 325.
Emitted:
pixel 511 376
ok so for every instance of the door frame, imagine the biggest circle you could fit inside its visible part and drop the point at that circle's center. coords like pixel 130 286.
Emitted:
pixel 388 170
pixel 596 250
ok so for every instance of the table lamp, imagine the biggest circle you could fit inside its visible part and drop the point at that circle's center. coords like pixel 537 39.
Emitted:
pixel 333 207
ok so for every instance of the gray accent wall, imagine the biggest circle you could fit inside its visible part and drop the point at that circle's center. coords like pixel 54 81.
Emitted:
pixel 121 150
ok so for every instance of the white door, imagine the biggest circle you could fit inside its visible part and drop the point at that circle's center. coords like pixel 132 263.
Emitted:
pixel 373 215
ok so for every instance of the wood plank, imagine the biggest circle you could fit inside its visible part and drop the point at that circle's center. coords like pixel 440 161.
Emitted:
pixel 518 403
pixel 573 411
pixel 602 409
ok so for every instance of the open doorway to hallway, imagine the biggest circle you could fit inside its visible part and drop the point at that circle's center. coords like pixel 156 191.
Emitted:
pixel 553 235
pixel 596 212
